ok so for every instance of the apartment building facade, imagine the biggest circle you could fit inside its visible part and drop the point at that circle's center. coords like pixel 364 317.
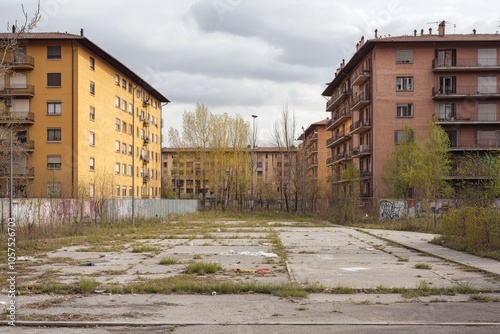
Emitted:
pixel 315 155
pixel 90 125
pixel 410 80
pixel 182 172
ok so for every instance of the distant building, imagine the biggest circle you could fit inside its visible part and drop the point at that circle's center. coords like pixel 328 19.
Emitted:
pixel 92 127
pixel 317 177
pixel 391 82
pixel 182 172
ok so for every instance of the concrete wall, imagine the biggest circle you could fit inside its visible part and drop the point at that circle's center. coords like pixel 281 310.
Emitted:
pixel 43 211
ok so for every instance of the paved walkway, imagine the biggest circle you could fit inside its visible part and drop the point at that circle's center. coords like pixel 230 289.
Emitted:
pixel 420 242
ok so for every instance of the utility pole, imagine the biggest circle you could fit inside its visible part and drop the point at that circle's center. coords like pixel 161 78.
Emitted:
pixel 252 162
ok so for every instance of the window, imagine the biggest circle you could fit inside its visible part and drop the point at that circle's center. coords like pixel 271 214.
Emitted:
pixel 117 146
pixel 404 110
pixel 54 52
pixel 124 169
pixel 130 88
pixel 92 88
pixel 130 108
pixel 92 164
pixel 54 108
pixel 124 126
pixel 54 162
pixel 447 112
pixel 92 113
pixel 92 139
pixel 92 63
pixel 130 170
pixel 117 124
pixel 124 105
pixel 53 79
pixel 130 150
pixel 117 80
pixel 124 191
pixel 130 129
pixel 54 189
pixel 117 168
pixel 404 56
pixel 117 191
pixel 53 135
pixel 403 136
pixel 404 83
pixel 124 84
pixel 124 148
pixel 117 102
pixel 130 191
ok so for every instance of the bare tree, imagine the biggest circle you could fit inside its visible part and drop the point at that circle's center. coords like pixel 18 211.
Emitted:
pixel 283 137
pixel 14 141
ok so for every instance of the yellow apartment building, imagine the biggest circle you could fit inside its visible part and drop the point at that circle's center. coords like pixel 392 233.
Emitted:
pixel 88 124
pixel 393 82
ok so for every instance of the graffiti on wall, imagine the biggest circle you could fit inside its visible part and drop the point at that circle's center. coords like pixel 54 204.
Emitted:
pixel 397 208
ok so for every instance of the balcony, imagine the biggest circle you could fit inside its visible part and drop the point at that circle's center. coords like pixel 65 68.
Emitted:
pixel 16 117
pixel 145 157
pixel 467 118
pixel 19 172
pixel 360 101
pixel 338 118
pixel 361 150
pixel 475 145
pixel 20 62
pixel 360 77
pixel 360 126
pixel 27 145
pixel 365 175
pixel 146 141
pixel 463 92
pixel 337 98
pixel 19 90
pixel 465 64
pixel 337 138
pixel 145 179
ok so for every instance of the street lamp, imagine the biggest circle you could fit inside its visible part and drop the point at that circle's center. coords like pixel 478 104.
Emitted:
pixel 11 177
pixel 252 160
pixel 304 198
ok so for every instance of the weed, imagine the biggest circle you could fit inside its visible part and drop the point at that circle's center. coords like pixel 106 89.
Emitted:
pixel 202 268
pixel 141 248
pixel 168 261
pixel 422 266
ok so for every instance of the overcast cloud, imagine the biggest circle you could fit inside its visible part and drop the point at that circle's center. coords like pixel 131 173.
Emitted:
pixel 245 56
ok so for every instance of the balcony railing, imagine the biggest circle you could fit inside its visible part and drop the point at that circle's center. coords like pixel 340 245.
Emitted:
pixel 476 145
pixel 337 97
pixel 17 117
pixel 360 77
pixel 360 101
pixel 361 150
pixel 337 138
pixel 19 172
pixel 17 90
pixel 461 92
pixel 464 64
pixel 20 61
pixel 360 126
pixel 490 117
pixel 338 118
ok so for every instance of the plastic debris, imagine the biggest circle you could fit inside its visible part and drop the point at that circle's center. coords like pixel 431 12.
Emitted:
pixel 260 253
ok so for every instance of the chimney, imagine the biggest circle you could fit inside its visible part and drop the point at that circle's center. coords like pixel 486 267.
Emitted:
pixel 376 33
pixel 81 32
pixel 441 29
pixel 357 46
pixel 422 32
pixel 474 31
pixel 13 29
pixel 415 32
pixel 430 31
pixel 362 41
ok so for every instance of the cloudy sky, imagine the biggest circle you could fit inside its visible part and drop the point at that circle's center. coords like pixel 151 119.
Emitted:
pixel 246 57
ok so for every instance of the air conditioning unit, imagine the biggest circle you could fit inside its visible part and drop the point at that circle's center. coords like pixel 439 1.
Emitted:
pixel 8 102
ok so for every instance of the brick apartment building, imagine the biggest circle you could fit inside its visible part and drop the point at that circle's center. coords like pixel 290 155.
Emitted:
pixel 86 120
pixel 409 80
